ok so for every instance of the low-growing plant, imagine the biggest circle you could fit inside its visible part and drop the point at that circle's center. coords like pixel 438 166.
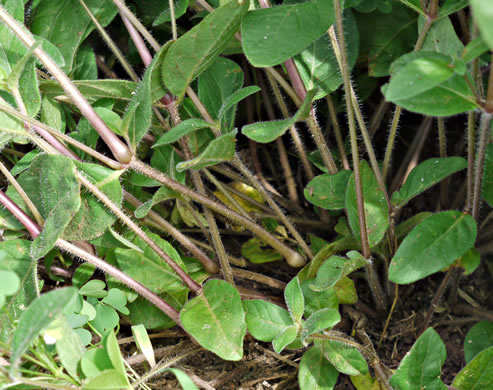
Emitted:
pixel 142 173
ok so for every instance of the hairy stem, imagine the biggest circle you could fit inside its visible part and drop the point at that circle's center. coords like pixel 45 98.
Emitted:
pixel 121 152
pixel 293 258
pixel 484 131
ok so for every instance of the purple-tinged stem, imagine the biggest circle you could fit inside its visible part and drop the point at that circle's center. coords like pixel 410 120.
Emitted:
pixel 34 230
pixel 121 152
pixel 138 41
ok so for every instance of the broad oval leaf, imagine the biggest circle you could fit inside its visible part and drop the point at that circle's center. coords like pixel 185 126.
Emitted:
pixel 265 320
pixel 320 320
pixel 343 357
pixel 419 76
pixel 14 257
pixel 265 132
pixel 286 337
pixel 432 245
pixel 482 11
pixel 488 175
pixel 193 52
pixel 215 318
pixel 328 191
pixel 265 32
pixel 425 175
pixel 478 374
pixel 40 313
pixel 315 372
pixel 421 367
pixel 479 337
pixel 106 380
pixel 376 208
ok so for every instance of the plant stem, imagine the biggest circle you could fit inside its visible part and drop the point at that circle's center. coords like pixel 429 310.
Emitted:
pixel 192 284
pixel 442 142
pixel 352 133
pixel 285 85
pixel 208 264
pixel 139 26
pixel 121 152
pixel 436 299
pixel 298 142
pixel 337 132
pixel 245 171
pixel 173 20
pixel 484 131
pixel 34 230
pixel 293 258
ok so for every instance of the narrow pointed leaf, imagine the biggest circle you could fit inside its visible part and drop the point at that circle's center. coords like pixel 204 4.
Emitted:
pixel 185 382
pixel 315 372
pixel 215 318
pixel 37 317
pixel 421 367
pixel 186 127
pixel 425 175
pixel 265 31
pixel 265 320
pixel 235 98
pixel 144 344
pixel 432 245
pixel 193 52
pixel 265 132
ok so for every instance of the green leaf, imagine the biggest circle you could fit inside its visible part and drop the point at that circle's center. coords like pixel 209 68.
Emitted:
pixel 376 209
pixel 328 191
pixel 317 300
pixel 441 37
pixel 236 97
pixel 265 320
pixel 106 318
pixel 180 7
pixel 93 89
pixel 9 284
pixel 478 374
pixel 107 380
pixel 315 372
pixel 488 175
pixel 52 114
pixel 385 37
pixel 14 257
pixel 421 367
pixel 432 245
pixel 479 337
pixel 85 67
pixel 455 92
pixel 470 261
pixel 137 118
pixel 475 48
pixel 50 19
pixel 185 382
pixel 286 337
pixel 419 76
pixel 183 128
pixel 319 321
pixel 329 273
pixel 345 358
pixel 265 132
pixel 218 82
pixel 264 32
pixel 346 292
pixel 111 344
pixel 293 295
pixel 117 299
pixel 194 51
pixel 317 63
pixel 69 347
pixel 95 361
pixel 143 343
pixel 258 252
pixel 218 150
pixel 482 12
pixel 40 313
pixel 215 318
pixel 94 288
pixel 425 175
pixel 93 218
